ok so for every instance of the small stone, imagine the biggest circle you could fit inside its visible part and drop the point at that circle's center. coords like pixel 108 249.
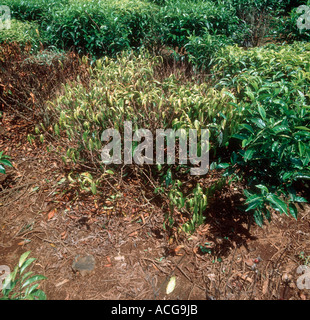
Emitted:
pixel 119 258
pixel 83 264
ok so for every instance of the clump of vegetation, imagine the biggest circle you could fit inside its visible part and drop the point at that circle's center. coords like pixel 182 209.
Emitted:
pixel 126 89
pixel 4 161
pixel 23 33
pixel 21 285
pixel 30 78
pixel 272 84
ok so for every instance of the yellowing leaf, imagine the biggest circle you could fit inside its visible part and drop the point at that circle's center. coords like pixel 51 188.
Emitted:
pixel 171 285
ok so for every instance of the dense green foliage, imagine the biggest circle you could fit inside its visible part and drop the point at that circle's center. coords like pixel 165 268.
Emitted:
pixel 4 161
pixel 21 32
pixel 21 285
pixel 272 84
pixel 108 27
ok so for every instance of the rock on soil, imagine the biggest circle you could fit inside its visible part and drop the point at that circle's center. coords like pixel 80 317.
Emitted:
pixel 83 264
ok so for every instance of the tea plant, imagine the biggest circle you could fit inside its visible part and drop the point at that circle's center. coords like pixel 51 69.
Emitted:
pixel 272 84
pixel 127 89
pixel 204 49
pixel 4 161
pixel 22 32
pixel 177 20
pixel 20 285
pixel 256 18
pixel 286 26
pixel 33 10
pixel 99 27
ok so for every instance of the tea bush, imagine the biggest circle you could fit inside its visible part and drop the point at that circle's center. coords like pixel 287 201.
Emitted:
pixel 4 161
pixel 127 89
pixel 33 10
pixel 21 285
pixel 99 28
pixel 177 20
pixel 257 19
pixel 22 33
pixel 203 50
pixel 272 84
pixel 287 26
pixel 108 27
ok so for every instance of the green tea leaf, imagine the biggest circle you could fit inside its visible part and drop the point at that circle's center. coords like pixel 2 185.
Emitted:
pixel 248 154
pixel 277 203
pixel 262 112
pixel 32 280
pixel 293 210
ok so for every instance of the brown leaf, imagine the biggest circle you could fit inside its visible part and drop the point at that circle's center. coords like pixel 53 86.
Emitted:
pixel 24 242
pixel 133 234
pixel 178 248
pixel 51 214
pixel 63 235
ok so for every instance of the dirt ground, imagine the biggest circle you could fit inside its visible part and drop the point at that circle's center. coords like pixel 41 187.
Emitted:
pixel 134 260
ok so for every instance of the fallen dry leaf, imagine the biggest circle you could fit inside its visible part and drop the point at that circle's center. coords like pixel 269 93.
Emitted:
pixel 61 283
pixel 133 234
pixel 171 285
pixel 24 242
pixel 51 214
pixel 63 235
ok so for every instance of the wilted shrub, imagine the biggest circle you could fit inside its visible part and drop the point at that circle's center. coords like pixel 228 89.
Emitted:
pixel 27 80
